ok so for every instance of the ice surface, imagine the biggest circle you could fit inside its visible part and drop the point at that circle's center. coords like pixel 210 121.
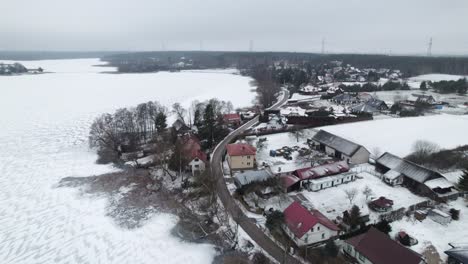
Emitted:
pixel 44 121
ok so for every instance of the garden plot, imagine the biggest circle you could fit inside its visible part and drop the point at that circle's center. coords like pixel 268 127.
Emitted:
pixel 332 202
pixel 278 141
pixel 429 232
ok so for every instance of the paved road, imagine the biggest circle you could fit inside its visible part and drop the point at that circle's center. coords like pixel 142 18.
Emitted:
pixel 228 201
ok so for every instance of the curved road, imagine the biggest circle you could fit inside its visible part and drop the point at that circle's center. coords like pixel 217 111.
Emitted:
pixel 231 206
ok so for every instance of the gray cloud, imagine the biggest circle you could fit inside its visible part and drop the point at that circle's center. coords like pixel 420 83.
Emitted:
pixel 363 26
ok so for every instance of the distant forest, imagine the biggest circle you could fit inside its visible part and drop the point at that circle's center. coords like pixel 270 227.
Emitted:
pixel 409 65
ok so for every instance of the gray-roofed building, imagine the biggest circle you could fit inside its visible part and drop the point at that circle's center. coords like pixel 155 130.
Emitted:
pixel 340 148
pixel 371 106
pixel 416 177
pixel 247 177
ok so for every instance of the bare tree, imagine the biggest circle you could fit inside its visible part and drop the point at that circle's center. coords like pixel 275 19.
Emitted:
pixel 367 192
pixel 179 111
pixel 351 194
pixel 423 148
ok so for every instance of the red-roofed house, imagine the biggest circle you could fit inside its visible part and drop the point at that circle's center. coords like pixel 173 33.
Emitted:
pixel 325 176
pixel 232 119
pixel 192 151
pixel 376 247
pixel 241 156
pixel 306 227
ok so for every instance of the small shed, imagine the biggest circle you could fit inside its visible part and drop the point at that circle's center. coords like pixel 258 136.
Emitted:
pixel 393 178
pixel 248 177
pixel 381 204
pixel 439 217
pixel 290 183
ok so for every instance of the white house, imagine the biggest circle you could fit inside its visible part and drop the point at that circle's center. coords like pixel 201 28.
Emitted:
pixel 306 227
pixel 340 148
pixel 330 181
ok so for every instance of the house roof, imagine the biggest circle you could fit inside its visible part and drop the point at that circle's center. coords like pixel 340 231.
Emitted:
pixel 247 177
pixel 240 149
pixel 407 168
pixel 289 180
pixel 382 202
pixel 380 248
pixel 232 117
pixel 376 103
pixel 439 182
pixel 322 170
pixel 391 174
pixel 300 220
pixel 459 253
pixel 192 149
pixel 338 143
pixel 180 125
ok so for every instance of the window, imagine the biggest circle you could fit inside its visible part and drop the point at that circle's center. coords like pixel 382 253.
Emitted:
pixel 323 236
pixel 197 166
pixel 248 157
pixel 318 228
pixel 248 163
pixel 312 229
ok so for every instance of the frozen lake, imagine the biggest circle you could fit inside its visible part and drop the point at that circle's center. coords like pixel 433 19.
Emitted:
pixel 44 121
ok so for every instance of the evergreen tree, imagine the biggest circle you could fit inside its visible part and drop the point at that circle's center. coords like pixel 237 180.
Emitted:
pixel 331 249
pixel 160 122
pixel 355 217
pixel 208 128
pixel 384 227
pixel 463 181
pixel 423 86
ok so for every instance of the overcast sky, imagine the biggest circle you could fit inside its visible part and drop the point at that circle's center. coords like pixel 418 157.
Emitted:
pixel 363 26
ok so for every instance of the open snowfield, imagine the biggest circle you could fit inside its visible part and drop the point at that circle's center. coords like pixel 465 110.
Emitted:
pixel 437 77
pixel 397 135
pixel 44 121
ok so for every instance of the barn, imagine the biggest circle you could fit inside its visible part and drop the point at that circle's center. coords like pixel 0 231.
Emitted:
pixel 340 148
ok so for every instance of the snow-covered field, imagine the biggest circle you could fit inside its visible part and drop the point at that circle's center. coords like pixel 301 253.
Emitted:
pixel 437 77
pixel 44 121
pixel 397 135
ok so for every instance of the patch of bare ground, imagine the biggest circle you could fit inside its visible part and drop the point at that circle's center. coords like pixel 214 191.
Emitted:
pixel 431 255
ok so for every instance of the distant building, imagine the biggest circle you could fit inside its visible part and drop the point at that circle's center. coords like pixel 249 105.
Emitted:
pixel 371 106
pixel 306 227
pixel 232 119
pixel 180 127
pixel 375 247
pixel 345 99
pixel 340 148
pixel 417 178
pixel 241 156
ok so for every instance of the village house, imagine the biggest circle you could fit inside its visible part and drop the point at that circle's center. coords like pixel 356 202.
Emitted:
pixel 381 204
pixel 325 176
pixel 340 148
pixel 233 120
pixel 192 151
pixel 241 156
pixel 375 247
pixel 180 127
pixel 307 227
pixel 417 178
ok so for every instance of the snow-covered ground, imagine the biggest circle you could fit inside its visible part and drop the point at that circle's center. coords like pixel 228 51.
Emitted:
pixel 437 77
pixel 397 135
pixel 332 202
pixel 430 232
pixel 44 121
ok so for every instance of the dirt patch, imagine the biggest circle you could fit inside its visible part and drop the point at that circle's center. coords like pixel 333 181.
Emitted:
pixel 431 255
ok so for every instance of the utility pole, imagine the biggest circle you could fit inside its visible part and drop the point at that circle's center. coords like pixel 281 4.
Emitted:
pixel 429 48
